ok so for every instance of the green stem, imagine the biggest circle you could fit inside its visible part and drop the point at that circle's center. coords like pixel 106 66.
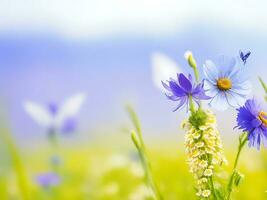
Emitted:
pixel 53 138
pixel 209 157
pixel 141 148
pixel 191 105
pixel 150 178
pixel 264 86
pixel 213 188
pixel 242 143
pixel 196 73
pixel 146 166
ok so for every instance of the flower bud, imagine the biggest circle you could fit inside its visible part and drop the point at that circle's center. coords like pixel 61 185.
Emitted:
pixel 135 140
pixel 238 177
pixel 190 59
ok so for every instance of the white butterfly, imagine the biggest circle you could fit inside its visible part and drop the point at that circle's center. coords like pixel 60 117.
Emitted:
pixel 163 68
pixel 55 117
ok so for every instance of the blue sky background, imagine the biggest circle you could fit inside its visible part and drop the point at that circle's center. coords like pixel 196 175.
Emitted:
pixel 49 51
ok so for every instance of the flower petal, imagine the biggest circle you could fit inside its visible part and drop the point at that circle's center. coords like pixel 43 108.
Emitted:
pixel 244 89
pixel 211 90
pixel 234 99
pixel 198 92
pixel 181 104
pixel 172 97
pixel 176 89
pixel 166 86
pixel 211 71
pixel 225 65
pixel 219 102
pixel 185 83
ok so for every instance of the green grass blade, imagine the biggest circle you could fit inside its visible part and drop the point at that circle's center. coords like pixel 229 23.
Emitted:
pixel 17 164
pixel 140 146
pixel 137 125
pixel 264 86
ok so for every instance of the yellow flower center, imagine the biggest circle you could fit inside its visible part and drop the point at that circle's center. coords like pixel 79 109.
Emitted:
pixel 224 84
pixel 263 117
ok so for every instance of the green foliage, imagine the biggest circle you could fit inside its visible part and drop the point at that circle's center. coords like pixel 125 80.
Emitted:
pixel 238 178
pixel 264 86
pixel 89 172
pixel 140 146
pixel 16 163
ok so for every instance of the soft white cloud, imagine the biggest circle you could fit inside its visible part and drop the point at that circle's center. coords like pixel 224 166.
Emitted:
pixel 94 18
pixel 163 68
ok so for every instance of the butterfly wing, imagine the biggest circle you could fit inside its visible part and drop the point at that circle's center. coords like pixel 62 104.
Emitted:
pixel 163 68
pixel 247 55
pixel 38 113
pixel 70 108
pixel 243 56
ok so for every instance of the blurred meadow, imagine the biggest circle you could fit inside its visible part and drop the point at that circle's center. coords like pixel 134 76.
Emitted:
pixel 69 68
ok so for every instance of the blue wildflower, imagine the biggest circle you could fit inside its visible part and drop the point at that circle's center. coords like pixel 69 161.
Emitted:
pixel 53 108
pixel 181 89
pixel 48 179
pixel 226 83
pixel 252 119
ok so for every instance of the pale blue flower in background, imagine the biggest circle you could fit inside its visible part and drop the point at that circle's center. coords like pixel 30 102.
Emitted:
pixel 163 68
pixel 226 82
pixel 56 117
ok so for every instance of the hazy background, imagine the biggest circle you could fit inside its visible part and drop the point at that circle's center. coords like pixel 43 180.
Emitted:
pixel 50 50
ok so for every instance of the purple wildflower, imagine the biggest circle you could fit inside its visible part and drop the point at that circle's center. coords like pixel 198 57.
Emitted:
pixel 48 179
pixel 69 125
pixel 181 89
pixel 252 119
pixel 53 108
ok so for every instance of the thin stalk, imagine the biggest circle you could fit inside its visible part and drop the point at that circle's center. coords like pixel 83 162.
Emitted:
pixel 147 167
pixel 213 188
pixel 264 87
pixel 136 124
pixel 53 138
pixel 242 143
pixel 263 84
pixel 209 157
pixel 196 74
pixel 55 153
pixel 191 105
pixel 141 148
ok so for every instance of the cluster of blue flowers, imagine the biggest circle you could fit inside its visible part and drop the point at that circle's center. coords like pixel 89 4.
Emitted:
pixel 225 85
